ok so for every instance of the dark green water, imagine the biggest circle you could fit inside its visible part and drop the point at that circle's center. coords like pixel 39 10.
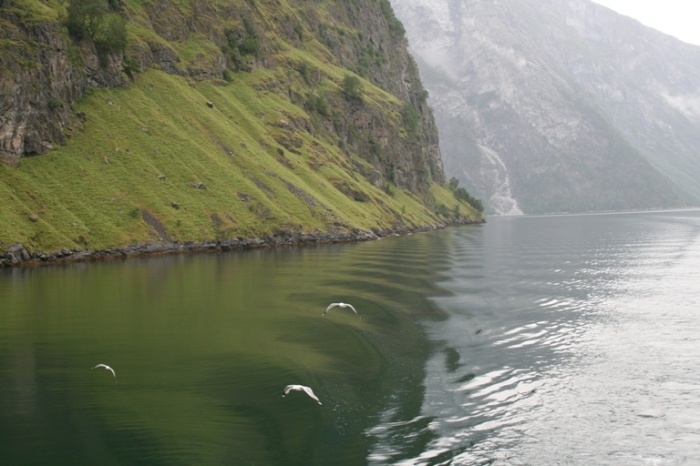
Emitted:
pixel 202 347
pixel 569 340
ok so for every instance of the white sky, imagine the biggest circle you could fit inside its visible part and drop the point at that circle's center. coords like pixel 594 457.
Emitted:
pixel 679 18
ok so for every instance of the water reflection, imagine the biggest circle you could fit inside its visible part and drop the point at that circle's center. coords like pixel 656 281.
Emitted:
pixel 568 341
pixel 203 346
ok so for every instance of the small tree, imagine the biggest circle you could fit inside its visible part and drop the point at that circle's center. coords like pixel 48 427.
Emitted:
pixel 463 195
pixel 84 17
pixel 352 87
pixel 111 34
pixel 90 20
pixel 410 119
pixel 250 44
pixel 317 103
pixel 454 183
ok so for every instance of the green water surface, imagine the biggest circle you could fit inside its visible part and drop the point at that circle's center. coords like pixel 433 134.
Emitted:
pixel 202 347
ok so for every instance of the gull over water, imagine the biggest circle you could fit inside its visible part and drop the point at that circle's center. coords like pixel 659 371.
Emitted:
pixel 106 367
pixel 301 388
pixel 341 305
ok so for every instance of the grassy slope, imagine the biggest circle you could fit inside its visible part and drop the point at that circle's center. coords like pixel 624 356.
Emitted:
pixel 92 193
pixel 89 194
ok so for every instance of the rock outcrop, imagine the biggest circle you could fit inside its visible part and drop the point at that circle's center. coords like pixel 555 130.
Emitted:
pixel 45 70
pixel 43 73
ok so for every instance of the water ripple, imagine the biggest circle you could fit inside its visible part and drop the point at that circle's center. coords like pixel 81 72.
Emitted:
pixel 576 347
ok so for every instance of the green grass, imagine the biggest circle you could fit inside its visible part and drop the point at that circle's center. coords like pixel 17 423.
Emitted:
pixel 90 193
pixel 143 149
pixel 34 12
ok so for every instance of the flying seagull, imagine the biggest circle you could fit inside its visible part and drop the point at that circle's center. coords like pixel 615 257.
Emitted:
pixel 107 368
pixel 332 305
pixel 301 388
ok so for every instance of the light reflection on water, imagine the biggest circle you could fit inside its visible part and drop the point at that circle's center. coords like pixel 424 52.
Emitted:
pixel 525 341
pixel 570 340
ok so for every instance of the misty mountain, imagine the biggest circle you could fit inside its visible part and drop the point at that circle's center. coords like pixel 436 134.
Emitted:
pixel 553 106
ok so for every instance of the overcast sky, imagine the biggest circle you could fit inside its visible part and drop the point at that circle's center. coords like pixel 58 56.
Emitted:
pixel 679 18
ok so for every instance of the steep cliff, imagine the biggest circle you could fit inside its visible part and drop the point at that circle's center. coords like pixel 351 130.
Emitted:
pixel 307 117
pixel 550 106
pixel 45 70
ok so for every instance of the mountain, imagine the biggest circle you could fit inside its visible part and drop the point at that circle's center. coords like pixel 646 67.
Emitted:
pixel 559 105
pixel 147 125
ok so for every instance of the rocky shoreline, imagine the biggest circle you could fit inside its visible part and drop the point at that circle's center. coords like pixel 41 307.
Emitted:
pixel 16 255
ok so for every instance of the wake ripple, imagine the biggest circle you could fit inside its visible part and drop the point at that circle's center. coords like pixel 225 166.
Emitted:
pixel 570 349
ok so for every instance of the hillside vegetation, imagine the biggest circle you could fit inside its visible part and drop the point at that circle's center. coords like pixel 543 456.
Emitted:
pixel 224 121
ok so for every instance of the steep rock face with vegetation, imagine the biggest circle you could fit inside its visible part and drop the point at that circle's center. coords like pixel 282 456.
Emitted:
pixel 553 105
pixel 198 120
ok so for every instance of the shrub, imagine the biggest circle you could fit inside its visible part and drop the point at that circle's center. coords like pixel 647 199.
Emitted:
pixel 375 148
pixel 442 210
pixel 55 104
pixel 423 96
pixel 130 65
pixel 318 103
pixel 394 24
pixel 305 72
pixel 352 87
pixel 463 195
pixel 91 20
pixel 299 30
pixel 110 35
pixel 410 119
pixel 84 17
pixel 250 45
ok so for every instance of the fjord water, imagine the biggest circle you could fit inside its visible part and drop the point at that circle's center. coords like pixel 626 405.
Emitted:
pixel 527 340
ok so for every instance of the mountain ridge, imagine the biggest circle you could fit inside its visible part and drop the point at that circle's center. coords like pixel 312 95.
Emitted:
pixel 559 106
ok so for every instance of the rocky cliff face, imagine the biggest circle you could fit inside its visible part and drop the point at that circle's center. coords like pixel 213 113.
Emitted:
pixel 380 54
pixel 45 69
pixel 197 124
pixel 43 72
pixel 550 106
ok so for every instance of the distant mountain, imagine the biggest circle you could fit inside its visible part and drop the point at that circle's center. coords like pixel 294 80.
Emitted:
pixel 559 105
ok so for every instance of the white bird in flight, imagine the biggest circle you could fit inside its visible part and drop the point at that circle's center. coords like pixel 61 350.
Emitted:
pixel 108 368
pixel 301 388
pixel 332 305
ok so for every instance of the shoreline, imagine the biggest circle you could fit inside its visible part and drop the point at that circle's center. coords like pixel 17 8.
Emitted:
pixel 16 255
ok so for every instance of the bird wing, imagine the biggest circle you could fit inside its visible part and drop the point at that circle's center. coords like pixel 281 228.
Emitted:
pixel 311 394
pixel 353 309
pixel 331 305
pixel 105 366
pixel 304 388
pixel 288 389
